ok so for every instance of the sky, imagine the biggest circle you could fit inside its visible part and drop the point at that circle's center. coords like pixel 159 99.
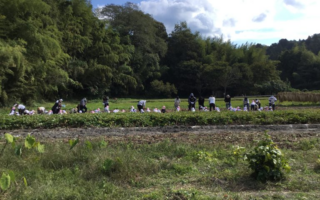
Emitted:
pixel 240 21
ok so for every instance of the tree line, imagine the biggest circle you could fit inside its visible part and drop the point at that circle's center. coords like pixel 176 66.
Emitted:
pixel 63 49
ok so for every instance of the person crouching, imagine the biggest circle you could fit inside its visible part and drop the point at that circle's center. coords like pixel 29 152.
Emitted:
pixel 41 110
pixel 57 106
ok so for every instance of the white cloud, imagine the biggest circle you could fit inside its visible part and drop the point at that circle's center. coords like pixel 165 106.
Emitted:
pixel 238 20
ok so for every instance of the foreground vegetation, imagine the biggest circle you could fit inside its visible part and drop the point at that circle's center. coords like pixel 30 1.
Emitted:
pixel 157 119
pixel 171 166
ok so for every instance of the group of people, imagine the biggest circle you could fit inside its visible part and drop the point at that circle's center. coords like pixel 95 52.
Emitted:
pixel 20 109
pixel 192 103
pixel 255 104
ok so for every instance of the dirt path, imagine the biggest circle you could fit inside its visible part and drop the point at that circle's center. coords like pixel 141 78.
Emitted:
pixel 193 134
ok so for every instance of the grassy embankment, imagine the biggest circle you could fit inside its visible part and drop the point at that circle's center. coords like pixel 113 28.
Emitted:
pixel 173 166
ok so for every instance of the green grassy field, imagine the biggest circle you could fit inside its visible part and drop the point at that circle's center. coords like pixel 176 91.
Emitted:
pixel 153 103
pixel 169 166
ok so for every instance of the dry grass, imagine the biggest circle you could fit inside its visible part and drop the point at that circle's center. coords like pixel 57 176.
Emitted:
pixel 298 96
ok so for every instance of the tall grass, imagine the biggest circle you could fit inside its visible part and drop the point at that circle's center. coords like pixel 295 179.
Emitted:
pixel 172 166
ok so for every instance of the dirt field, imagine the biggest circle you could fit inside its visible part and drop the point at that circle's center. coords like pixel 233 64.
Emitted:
pixel 237 134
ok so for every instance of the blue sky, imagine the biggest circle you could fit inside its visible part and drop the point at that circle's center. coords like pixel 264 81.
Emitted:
pixel 254 21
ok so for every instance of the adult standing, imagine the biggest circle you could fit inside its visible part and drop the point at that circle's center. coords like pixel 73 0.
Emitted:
pixel 105 101
pixel 83 105
pixel 141 105
pixel 253 105
pixel 192 101
pixel 201 103
pixel 212 102
pixel 246 102
pixel 177 102
pixel 227 100
pixel 272 101
pixel 258 103
pixel 57 106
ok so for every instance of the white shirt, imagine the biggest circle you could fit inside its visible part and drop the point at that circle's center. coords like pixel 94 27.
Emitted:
pixel 272 99
pixel 142 103
pixel 212 100
pixel 21 107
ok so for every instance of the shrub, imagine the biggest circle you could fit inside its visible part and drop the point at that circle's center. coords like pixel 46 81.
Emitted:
pixel 267 161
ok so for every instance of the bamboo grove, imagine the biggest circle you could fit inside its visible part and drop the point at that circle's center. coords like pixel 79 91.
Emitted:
pixel 65 49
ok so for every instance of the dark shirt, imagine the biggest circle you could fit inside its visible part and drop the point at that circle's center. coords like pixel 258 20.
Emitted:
pixel 201 101
pixel 227 100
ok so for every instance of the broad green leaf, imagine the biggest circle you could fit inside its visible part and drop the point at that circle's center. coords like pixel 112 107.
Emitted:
pixel 9 137
pixel 35 145
pixel 29 142
pixel 40 148
pixel 25 181
pixel 73 143
pixel 5 181
pixel 12 175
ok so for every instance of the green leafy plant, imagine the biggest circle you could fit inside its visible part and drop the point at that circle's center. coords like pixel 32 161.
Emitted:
pixel 73 143
pixel 5 181
pixel 31 143
pixel 202 156
pixel 267 161
pixel 238 152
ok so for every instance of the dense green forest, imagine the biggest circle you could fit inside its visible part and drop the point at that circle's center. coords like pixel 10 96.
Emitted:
pixel 62 48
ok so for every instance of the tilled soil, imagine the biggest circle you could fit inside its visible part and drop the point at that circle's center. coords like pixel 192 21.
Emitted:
pixel 284 135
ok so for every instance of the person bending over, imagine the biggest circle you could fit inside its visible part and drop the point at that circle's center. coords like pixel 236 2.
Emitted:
pixel 57 106
pixel 83 105
pixel 141 105
pixel 212 102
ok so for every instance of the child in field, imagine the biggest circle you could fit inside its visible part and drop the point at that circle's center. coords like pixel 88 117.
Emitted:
pixel 217 109
pixel 41 110
pixel 163 110
pixel 13 110
pixel 116 110
pixel 148 110
pixel 106 109
pixel 178 108
pixel 132 109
